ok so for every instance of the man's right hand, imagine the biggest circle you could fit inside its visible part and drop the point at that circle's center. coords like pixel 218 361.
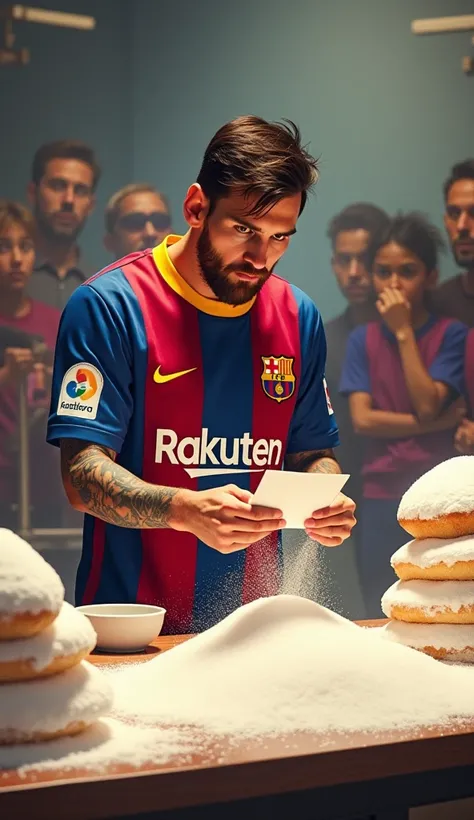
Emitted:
pixel 224 518
pixel 18 362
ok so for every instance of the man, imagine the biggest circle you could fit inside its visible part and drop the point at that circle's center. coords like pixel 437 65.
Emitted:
pixel 455 298
pixel 136 218
pixel 28 320
pixel 61 192
pixel 351 233
pixel 187 362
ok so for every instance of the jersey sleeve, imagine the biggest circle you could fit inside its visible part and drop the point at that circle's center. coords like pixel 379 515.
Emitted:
pixel 313 426
pixel 91 391
pixel 448 365
pixel 355 377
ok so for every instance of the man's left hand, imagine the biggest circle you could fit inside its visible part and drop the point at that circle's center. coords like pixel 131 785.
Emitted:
pixel 332 525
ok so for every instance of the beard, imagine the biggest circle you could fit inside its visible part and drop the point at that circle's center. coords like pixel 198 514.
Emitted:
pixel 465 257
pixel 55 232
pixel 219 276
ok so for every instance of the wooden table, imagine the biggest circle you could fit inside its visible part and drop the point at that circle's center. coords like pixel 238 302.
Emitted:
pixel 337 778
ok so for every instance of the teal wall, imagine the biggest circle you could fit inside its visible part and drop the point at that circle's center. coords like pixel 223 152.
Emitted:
pixel 387 112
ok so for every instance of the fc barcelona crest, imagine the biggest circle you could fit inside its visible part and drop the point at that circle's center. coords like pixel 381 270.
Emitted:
pixel 278 379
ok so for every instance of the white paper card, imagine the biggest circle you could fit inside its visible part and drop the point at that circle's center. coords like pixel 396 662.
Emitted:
pixel 298 495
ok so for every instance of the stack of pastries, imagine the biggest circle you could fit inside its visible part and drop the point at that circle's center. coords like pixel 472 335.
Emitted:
pixel 431 606
pixel 47 689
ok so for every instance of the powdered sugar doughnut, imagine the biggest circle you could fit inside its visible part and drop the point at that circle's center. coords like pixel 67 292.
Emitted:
pixel 43 709
pixel 31 591
pixel 60 646
pixel 446 642
pixel 442 602
pixel 436 559
pixel 440 504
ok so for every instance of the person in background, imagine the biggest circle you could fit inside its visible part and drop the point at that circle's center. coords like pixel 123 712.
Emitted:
pixel 27 316
pixel 464 438
pixel 136 218
pixel 64 178
pixel 403 375
pixel 455 297
pixel 351 232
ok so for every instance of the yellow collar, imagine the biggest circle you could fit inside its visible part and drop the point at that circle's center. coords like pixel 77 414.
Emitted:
pixel 169 273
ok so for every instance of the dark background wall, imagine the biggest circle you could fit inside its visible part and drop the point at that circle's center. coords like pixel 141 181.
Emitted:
pixel 387 112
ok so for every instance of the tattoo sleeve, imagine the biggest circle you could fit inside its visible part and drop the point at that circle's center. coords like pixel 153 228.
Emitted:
pixel 111 492
pixel 313 461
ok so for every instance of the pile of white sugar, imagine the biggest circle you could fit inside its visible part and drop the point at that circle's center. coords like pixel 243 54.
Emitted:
pixel 286 664
pixel 276 666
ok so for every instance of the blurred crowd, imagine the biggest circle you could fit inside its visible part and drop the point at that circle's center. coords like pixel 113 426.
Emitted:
pixel 400 358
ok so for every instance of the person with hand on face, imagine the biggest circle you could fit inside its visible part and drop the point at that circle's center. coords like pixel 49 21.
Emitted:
pixel 61 193
pixel 187 362
pixel 136 218
pixel 404 378
pixel 34 319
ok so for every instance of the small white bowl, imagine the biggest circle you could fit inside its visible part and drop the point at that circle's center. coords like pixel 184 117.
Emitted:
pixel 124 628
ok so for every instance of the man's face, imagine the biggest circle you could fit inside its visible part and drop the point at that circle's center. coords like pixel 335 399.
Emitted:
pixel 237 253
pixel 459 222
pixel 397 267
pixel 17 258
pixel 349 265
pixel 143 222
pixel 63 199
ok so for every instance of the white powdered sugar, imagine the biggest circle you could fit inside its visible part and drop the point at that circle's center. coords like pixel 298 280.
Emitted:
pixel 105 744
pixel 439 636
pixel 428 552
pixel 28 584
pixel 284 664
pixel 429 596
pixel 276 666
pixel 447 488
pixel 49 704
pixel 69 634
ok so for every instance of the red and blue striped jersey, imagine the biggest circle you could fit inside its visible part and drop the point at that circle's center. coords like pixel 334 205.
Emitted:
pixel 184 388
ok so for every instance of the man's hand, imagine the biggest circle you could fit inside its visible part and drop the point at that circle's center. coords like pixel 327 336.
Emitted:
pixel 394 309
pixel 18 362
pixel 332 525
pixel 224 518
pixel 464 438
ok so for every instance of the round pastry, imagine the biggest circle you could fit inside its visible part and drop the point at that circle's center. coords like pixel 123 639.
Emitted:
pixel 49 708
pixel 430 602
pixel 436 559
pixel 441 503
pixel 62 645
pixel 445 642
pixel 31 591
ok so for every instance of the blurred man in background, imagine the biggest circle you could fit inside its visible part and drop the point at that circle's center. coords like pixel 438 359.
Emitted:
pixel 27 319
pixel 455 298
pixel 136 218
pixel 64 178
pixel 351 233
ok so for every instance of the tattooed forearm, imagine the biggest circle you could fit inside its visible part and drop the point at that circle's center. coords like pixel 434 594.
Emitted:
pixel 313 461
pixel 111 492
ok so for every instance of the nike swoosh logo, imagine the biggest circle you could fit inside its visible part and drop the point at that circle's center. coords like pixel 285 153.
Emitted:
pixel 161 378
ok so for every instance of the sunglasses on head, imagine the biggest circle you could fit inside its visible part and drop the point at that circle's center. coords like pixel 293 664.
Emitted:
pixel 137 220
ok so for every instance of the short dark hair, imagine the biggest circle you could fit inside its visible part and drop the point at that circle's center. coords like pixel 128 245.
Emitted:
pixel 112 209
pixel 414 232
pixel 64 149
pixel 15 213
pixel 358 216
pixel 462 170
pixel 257 158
